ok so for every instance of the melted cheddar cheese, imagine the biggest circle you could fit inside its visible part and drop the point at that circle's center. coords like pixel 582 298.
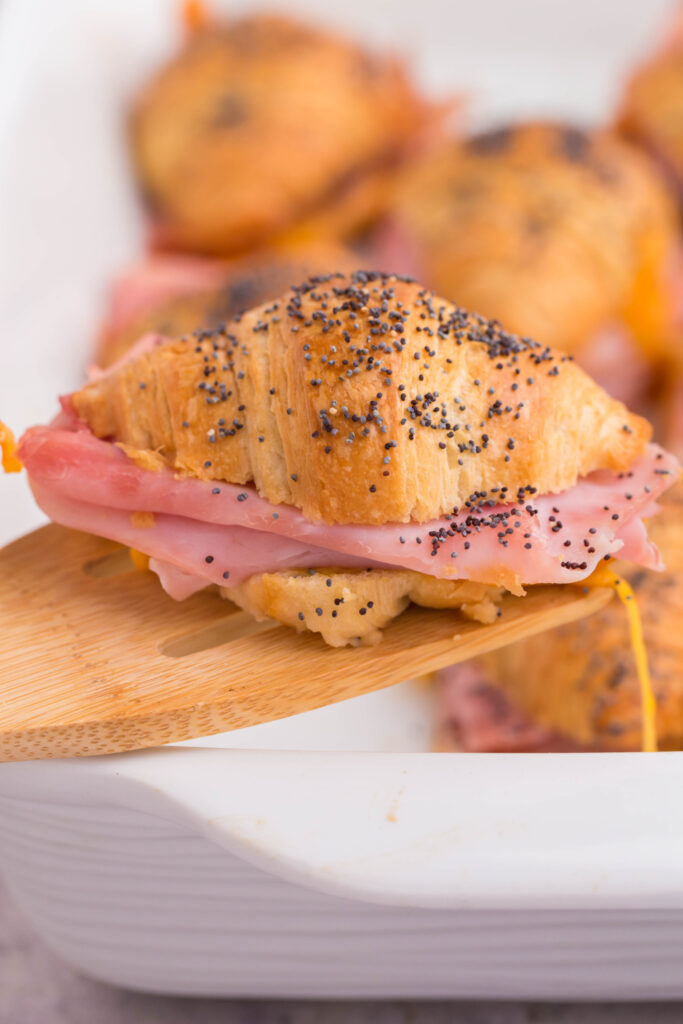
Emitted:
pixel 606 577
pixel 139 559
pixel 8 447
pixel 195 16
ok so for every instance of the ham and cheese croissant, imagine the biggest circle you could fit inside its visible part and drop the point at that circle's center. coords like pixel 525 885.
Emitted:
pixel 176 294
pixel 264 128
pixel 577 688
pixel 357 423
pixel 562 234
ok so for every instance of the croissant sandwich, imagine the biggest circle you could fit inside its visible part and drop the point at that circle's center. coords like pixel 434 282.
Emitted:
pixel 263 128
pixel 567 235
pixel 354 445
pixel 504 702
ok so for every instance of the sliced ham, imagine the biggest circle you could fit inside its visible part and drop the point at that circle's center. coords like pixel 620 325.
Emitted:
pixel 476 718
pixel 672 415
pixel 396 250
pixel 176 583
pixel 202 551
pixel 205 529
pixel 157 280
pixel 145 343
pixel 614 360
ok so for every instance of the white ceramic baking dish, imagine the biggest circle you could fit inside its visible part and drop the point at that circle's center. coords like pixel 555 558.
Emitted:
pixel 303 873
pixel 296 871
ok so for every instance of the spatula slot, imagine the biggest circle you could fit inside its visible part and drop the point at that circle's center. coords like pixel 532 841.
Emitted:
pixel 233 627
pixel 116 563
pixel 94 669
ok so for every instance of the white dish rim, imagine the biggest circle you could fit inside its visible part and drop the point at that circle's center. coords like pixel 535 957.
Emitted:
pixel 484 831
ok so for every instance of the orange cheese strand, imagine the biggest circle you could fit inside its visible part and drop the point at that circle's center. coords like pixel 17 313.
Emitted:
pixel 8 447
pixel 195 16
pixel 426 680
pixel 605 577
pixel 139 559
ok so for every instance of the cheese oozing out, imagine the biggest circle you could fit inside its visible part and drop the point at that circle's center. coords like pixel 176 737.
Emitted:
pixel 8 447
pixel 606 577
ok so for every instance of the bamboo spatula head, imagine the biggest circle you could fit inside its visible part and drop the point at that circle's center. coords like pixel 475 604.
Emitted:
pixel 96 659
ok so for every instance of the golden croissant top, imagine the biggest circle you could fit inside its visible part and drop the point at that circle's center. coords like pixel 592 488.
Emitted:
pixel 364 398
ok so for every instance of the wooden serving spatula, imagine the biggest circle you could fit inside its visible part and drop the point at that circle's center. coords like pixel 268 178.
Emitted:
pixel 96 659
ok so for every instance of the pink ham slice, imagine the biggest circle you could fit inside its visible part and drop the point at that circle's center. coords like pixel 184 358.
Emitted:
pixel 203 552
pixel 207 529
pixel 476 718
pixel 673 416
pixel 396 250
pixel 614 360
pixel 157 280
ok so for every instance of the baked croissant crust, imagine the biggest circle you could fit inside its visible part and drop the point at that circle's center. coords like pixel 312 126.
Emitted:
pixel 261 123
pixel 365 399
pixel 595 698
pixel 556 232
pixel 353 607
pixel 247 282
